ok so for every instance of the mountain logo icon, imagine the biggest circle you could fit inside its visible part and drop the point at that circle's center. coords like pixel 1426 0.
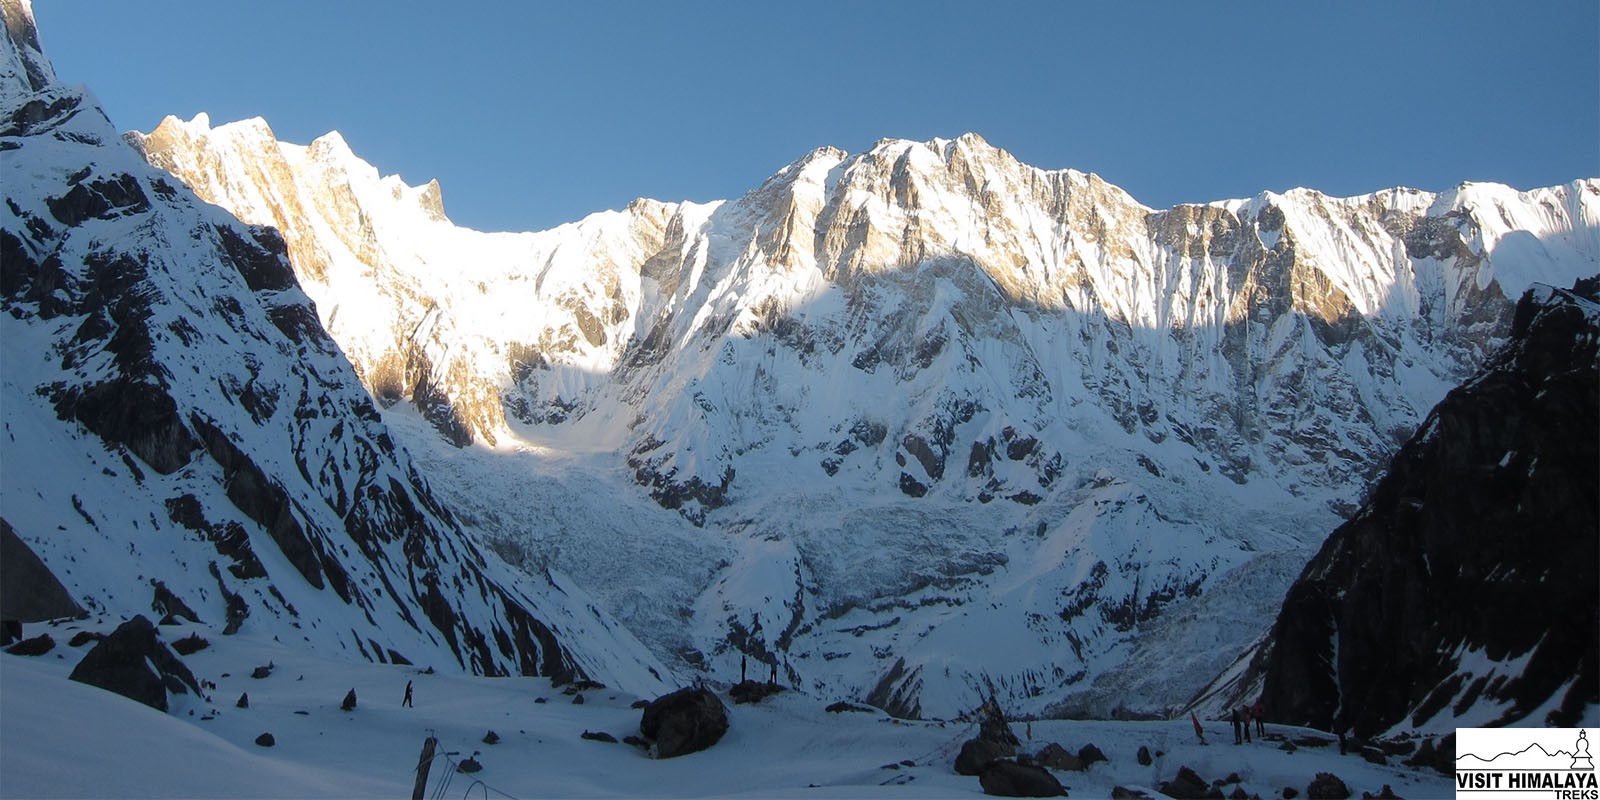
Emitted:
pixel 1525 762
pixel 1531 756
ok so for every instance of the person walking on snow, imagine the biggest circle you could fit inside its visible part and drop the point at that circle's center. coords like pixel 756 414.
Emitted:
pixel 1258 712
pixel 1245 712
pixel 1238 735
pixel 1198 731
pixel 406 703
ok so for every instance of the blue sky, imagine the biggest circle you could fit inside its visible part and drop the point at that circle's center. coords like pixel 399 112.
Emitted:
pixel 534 114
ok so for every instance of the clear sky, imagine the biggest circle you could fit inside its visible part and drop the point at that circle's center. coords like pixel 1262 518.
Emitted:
pixel 533 114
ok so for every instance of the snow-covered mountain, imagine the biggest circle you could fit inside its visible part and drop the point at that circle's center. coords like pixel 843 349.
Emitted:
pixel 182 436
pixel 928 417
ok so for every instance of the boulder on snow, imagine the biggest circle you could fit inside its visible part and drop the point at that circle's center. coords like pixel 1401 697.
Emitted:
pixel 1089 754
pixel 598 736
pixel 191 644
pixel 685 721
pixel 842 706
pixel 262 671
pixel 135 664
pixel 37 646
pixel 82 638
pixel 1055 756
pixel 1188 785
pixel 979 753
pixel 577 699
pixel 1327 786
pixel 266 740
pixel 491 738
pixel 753 691
pixel 469 765
pixel 1290 793
pixel 1010 779
pixel 1143 756
pixel 1386 793
pixel 244 700
pixel 349 703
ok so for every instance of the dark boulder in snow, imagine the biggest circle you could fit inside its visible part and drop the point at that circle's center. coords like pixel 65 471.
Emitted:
pixel 261 672
pixel 29 591
pixel 685 721
pixel 979 753
pixel 1327 786
pixel 135 664
pixel 188 645
pixel 753 691
pixel 266 740
pixel 1010 779
pixel 598 736
pixel 1143 757
pixel 82 638
pixel 1188 785
pixel 37 646
pixel 1055 756
pixel 1090 754
pixel 491 738
pixel 244 700
pixel 349 703
pixel 469 765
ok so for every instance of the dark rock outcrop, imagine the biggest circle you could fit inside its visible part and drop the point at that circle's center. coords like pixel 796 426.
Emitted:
pixel 1055 756
pixel 1010 779
pixel 37 646
pixel 1143 757
pixel 1481 537
pixel 979 753
pixel 598 736
pixel 686 721
pixel 1327 786
pixel 188 645
pixel 266 740
pixel 29 591
pixel 134 663
pixel 753 691
pixel 1089 754
pixel 1188 785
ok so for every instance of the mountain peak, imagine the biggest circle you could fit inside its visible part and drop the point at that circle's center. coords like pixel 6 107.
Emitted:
pixel 23 67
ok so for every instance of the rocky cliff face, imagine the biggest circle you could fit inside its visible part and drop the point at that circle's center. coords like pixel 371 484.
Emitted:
pixel 1465 591
pixel 180 430
pixel 950 417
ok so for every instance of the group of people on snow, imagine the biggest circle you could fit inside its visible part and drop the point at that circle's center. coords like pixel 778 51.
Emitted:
pixel 1241 718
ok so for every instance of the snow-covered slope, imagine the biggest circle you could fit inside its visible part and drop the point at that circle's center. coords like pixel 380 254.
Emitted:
pixel 785 747
pixel 942 418
pixel 181 434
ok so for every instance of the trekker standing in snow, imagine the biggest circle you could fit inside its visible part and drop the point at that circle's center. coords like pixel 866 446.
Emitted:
pixel 1259 711
pixel 406 703
pixel 1198 731
pixel 1245 712
pixel 1238 736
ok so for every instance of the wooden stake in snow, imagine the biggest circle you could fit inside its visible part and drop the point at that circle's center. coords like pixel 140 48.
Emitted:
pixel 424 763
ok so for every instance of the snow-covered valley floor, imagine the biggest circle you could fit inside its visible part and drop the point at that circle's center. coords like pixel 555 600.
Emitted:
pixel 64 739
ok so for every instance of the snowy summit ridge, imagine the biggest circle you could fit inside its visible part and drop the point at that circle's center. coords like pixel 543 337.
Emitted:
pixel 953 417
